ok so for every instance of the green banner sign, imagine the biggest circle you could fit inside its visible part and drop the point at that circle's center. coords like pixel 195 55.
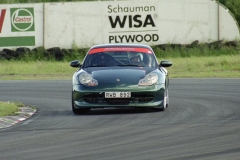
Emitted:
pixel 17 41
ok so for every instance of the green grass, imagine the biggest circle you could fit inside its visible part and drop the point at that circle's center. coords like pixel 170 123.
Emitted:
pixel 201 61
pixel 223 66
pixel 8 108
pixel 20 70
pixel 200 50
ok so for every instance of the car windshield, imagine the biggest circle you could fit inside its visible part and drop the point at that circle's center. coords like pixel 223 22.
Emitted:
pixel 105 57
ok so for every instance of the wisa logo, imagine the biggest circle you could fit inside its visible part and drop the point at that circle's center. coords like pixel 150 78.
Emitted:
pixel 22 19
pixel 131 24
pixel 2 16
pixel 135 21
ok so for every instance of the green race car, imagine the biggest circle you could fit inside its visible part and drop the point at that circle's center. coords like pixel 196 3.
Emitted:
pixel 120 75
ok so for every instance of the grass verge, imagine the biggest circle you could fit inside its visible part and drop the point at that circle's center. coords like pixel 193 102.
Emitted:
pixel 8 108
pixel 223 66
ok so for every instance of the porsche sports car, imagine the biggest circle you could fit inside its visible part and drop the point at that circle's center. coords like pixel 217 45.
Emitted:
pixel 120 75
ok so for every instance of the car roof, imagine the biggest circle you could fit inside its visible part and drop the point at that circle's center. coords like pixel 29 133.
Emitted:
pixel 121 45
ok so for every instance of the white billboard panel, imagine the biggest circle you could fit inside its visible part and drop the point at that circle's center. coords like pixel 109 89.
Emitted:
pixel 149 22
pixel 69 23
pixel 21 25
pixel 84 24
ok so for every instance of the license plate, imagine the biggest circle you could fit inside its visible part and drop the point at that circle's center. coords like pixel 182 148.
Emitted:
pixel 117 94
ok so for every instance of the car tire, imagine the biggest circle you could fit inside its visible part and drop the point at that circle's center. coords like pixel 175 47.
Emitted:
pixel 167 98
pixel 165 101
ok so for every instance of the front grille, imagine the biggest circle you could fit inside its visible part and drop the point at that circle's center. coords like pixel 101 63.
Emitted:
pixel 94 99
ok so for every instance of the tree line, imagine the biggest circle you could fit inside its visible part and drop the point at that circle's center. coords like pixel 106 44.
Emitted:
pixel 234 7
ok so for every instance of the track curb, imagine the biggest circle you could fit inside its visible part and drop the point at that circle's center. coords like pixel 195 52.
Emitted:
pixel 23 114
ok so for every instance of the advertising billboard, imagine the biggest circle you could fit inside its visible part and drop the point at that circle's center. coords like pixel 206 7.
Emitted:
pixel 21 25
pixel 148 22
pixel 83 24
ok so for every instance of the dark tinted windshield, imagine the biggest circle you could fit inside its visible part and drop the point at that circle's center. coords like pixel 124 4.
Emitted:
pixel 120 57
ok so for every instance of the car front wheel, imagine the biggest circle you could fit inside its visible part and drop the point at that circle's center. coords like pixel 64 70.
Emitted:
pixel 165 101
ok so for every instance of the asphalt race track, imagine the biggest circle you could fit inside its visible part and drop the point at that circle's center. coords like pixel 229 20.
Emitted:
pixel 202 122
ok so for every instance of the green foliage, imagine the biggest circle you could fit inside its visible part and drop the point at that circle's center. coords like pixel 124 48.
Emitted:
pixel 223 66
pixel 234 7
pixel 54 54
pixel 200 50
pixel 19 104
pixel 161 51
pixel 8 108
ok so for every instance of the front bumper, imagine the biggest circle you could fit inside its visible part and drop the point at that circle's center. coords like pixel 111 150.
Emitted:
pixel 141 96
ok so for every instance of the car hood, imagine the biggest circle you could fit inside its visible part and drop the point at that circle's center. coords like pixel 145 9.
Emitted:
pixel 118 75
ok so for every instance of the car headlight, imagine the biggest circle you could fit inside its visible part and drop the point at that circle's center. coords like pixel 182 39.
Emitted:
pixel 87 80
pixel 148 80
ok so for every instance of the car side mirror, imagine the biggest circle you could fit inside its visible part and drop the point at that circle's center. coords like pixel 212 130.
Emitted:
pixel 165 63
pixel 75 63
